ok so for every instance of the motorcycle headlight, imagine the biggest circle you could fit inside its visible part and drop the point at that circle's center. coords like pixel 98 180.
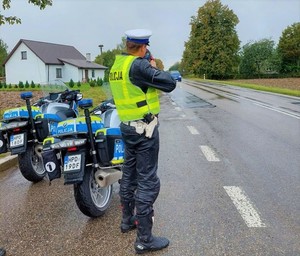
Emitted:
pixel 68 143
pixel 13 125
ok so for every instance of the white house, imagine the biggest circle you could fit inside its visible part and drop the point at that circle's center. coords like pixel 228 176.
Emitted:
pixel 42 62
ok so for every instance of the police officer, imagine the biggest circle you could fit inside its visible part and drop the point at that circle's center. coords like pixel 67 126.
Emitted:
pixel 135 83
pixel 2 252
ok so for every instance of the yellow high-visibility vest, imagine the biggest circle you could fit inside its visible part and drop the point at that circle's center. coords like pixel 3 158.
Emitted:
pixel 131 102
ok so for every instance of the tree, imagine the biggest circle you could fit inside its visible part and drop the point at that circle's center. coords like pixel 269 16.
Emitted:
pixel 175 66
pixel 259 58
pixel 3 55
pixel 15 20
pixel 289 49
pixel 159 64
pixel 213 44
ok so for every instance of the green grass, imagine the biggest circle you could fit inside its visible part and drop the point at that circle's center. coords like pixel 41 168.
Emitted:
pixel 97 93
pixel 254 86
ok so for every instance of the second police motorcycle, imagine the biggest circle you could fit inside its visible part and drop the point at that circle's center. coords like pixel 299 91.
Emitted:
pixel 23 129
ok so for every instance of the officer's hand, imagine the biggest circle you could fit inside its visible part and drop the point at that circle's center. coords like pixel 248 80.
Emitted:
pixel 153 63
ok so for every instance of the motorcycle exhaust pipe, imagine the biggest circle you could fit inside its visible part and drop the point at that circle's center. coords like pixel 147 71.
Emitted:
pixel 107 177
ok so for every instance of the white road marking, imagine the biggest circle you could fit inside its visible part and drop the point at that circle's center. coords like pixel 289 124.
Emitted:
pixel 244 206
pixel 263 105
pixel 288 113
pixel 192 130
pixel 209 153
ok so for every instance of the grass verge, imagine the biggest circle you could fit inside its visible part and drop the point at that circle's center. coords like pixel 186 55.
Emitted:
pixel 284 91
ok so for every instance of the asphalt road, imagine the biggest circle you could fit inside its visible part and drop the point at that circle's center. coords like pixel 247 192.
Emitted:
pixel 230 184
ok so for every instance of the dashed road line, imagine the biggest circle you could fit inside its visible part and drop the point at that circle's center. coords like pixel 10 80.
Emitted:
pixel 210 155
pixel 193 130
pixel 244 206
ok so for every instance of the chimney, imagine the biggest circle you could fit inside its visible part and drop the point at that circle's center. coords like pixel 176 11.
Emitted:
pixel 88 57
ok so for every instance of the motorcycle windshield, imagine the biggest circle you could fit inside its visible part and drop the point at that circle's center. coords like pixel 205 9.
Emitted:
pixel 53 88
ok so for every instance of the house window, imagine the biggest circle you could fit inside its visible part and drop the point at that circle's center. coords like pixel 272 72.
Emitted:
pixel 24 55
pixel 93 73
pixel 58 73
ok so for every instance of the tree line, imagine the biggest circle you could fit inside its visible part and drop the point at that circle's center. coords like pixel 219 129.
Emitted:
pixel 213 48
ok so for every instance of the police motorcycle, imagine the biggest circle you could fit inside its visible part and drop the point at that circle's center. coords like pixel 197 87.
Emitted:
pixel 23 129
pixel 89 152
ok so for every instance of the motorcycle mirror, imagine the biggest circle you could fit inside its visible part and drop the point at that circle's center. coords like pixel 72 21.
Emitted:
pixel 86 103
pixel 79 96
pixel 26 95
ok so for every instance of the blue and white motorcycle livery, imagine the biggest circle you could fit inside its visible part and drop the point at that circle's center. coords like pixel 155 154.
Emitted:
pixel 23 129
pixel 88 151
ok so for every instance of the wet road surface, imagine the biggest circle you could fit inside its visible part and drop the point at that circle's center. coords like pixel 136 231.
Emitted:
pixel 230 185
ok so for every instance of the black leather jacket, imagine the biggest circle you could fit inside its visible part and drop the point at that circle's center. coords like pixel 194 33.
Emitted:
pixel 142 74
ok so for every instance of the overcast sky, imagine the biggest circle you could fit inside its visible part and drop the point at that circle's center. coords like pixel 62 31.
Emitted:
pixel 85 24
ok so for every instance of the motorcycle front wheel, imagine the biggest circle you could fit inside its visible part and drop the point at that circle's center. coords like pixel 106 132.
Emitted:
pixel 30 164
pixel 91 199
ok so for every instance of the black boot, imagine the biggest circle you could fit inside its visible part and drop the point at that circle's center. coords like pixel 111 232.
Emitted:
pixel 128 217
pixel 145 241
pixel 2 252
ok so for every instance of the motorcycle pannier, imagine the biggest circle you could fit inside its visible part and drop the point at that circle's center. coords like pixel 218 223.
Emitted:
pixel 45 122
pixel 110 147
pixel 3 144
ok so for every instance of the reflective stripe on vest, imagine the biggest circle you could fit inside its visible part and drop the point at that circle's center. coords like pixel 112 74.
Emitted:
pixel 131 102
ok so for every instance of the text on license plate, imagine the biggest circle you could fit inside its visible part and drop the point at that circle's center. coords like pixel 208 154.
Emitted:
pixel 72 162
pixel 17 140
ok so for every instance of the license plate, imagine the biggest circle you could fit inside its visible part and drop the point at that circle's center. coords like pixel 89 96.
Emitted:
pixel 17 140
pixel 72 163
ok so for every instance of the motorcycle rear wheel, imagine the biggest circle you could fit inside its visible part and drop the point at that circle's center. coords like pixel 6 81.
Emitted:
pixel 91 199
pixel 30 164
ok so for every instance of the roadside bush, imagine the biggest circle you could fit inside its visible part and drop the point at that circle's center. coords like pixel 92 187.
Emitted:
pixel 71 83
pixel 78 84
pixel 9 86
pixel 26 84
pixel 1 85
pixel 99 81
pixel 5 85
pixel 32 85
pixel 21 85
pixel 92 83
pixel 16 86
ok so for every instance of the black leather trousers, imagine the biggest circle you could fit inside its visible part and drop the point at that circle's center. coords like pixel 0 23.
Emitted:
pixel 140 181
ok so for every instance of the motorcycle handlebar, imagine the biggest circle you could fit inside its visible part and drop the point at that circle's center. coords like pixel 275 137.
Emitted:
pixel 59 97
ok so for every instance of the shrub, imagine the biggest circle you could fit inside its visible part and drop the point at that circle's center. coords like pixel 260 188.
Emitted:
pixel 26 84
pixel 32 85
pixel 16 86
pixel 0 85
pixel 99 81
pixel 71 83
pixel 21 85
pixel 78 84
pixel 9 86
pixel 5 85
pixel 92 83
